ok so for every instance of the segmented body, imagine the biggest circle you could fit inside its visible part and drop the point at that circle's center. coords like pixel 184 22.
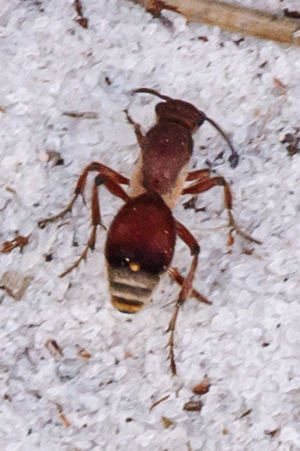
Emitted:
pixel 141 240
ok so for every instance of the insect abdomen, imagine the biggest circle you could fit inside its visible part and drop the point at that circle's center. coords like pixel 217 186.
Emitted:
pixel 130 290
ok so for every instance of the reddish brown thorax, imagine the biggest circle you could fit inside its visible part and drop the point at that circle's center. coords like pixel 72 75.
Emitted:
pixel 168 148
pixel 168 145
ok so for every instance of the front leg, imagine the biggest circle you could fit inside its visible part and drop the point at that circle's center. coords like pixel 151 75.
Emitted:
pixel 137 129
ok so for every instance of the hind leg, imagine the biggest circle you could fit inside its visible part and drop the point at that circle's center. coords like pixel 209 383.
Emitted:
pixel 186 288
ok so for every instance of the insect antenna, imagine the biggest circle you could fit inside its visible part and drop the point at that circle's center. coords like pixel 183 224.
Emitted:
pixel 151 91
pixel 234 157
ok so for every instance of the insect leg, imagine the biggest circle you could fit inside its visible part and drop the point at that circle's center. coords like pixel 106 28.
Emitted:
pixel 96 220
pixel 188 238
pixel 19 241
pixel 137 129
pixel 205 184
pixel 198 175
pixel 95 166
pixel 179 279
pixel 116 190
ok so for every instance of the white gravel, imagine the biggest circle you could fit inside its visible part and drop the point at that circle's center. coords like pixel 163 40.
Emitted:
pixel 248 342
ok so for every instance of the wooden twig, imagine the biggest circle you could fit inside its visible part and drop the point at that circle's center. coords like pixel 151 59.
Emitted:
pixel 233 18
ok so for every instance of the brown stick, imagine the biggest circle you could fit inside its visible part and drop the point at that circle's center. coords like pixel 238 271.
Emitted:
pixel 233 18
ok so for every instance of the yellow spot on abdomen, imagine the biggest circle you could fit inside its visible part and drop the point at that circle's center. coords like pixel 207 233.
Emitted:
pixel 134 266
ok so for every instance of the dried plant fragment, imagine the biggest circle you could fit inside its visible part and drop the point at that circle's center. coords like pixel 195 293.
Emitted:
pixel 15 284
pixel 193 406
pixel 54 157
pixel 158 402
pixel 273 433
pixel 230 240
pixel 54 348
pixel 166 422
pixel 81 20
pixel 85 355
pixel 155 7
pixel 292 141
pixel 278 83
pixel 78 7
pixel 48 257
pixel 35 393
pixel 280 88
pixel 203 38
pixel 245 414
pixel 79 115
pixel 239 41
pixel 11 190
pixel 202 388
pixel 291 14
pixel 65 421
pixel 247 251
pixel 63 418
pixel 20 241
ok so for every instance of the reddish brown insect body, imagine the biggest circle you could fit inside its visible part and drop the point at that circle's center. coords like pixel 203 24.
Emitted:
pixel 141 239
pixel 139 248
